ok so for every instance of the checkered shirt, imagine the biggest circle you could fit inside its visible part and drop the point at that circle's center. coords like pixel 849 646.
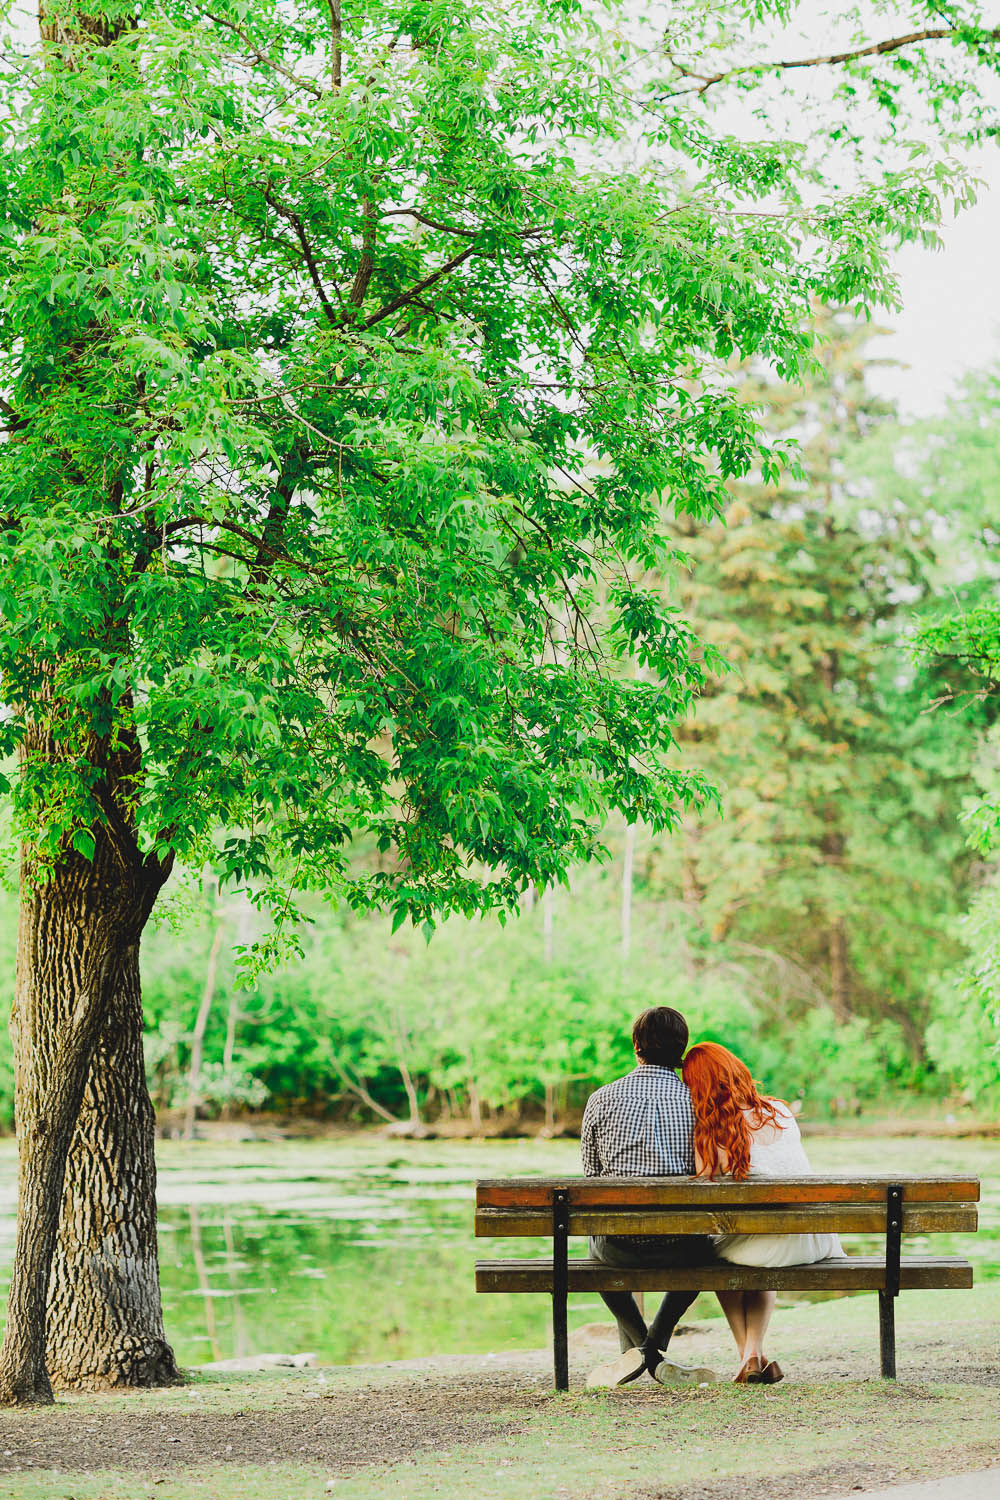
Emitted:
pixel 641 1125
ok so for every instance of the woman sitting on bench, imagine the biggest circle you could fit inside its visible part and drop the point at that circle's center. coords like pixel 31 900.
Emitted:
pixel 738 1133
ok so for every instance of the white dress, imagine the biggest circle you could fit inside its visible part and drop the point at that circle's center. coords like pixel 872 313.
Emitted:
pixel 778 1154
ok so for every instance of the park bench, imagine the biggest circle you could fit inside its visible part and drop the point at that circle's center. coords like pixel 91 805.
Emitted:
pixel 891 1207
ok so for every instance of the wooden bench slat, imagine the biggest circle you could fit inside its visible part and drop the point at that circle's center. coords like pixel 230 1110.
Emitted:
pixel 856 1273
pixel 536 1192
pixel 818 1218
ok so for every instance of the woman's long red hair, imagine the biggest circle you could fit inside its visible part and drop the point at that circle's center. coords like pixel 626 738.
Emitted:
pixel 724 1094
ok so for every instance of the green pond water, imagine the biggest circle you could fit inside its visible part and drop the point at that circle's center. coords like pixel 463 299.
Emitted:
pixel 361 1249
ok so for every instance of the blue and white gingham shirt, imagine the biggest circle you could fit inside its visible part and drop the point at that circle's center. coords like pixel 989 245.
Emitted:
pixel 641 1125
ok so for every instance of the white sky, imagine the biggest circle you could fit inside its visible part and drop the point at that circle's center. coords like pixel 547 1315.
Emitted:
pixel 949 323
pixel 950 320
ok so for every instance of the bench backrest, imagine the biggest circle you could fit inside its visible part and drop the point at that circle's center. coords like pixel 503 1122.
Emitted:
pixel 693 1205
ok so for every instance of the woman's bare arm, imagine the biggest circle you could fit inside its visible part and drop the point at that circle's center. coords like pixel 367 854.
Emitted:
pixel 700 1167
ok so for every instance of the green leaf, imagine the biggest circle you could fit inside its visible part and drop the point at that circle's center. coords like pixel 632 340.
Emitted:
pixel 84 843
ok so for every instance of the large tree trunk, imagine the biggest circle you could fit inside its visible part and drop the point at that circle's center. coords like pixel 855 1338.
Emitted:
pixel 56 1018
pixel 84 1120
pixel 105 1324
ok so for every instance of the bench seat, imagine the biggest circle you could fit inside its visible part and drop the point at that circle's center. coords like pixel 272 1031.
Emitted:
pixel 857 1273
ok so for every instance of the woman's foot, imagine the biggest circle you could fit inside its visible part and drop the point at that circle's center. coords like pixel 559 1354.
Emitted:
pixel 749 1372
pixel 771 1372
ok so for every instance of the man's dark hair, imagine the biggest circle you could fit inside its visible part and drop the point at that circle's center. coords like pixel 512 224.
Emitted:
pixel 660 1036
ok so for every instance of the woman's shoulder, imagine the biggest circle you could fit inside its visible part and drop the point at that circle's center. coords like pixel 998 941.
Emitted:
pixel 784 1123
pixel 785 1120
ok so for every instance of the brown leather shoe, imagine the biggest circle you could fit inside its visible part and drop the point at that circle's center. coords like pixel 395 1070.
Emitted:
pixel 771 1372
pixel 749 1373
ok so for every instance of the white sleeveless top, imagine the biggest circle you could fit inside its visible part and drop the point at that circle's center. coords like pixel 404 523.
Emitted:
pixel 778 1154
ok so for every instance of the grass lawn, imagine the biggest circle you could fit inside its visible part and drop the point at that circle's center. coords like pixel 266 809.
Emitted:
pixel 474 1427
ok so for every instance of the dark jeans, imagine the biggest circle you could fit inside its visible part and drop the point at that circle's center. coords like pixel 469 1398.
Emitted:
pixel 650 1250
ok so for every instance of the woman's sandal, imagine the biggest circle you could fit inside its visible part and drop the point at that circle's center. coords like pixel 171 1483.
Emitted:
pixel 750 1372
pixel 771 1373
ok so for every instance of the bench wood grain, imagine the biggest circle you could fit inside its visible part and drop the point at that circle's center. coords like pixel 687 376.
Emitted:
pixel 778 1218
pixel 858 1273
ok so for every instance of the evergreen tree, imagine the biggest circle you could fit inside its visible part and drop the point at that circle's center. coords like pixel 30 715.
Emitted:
pixel 840 847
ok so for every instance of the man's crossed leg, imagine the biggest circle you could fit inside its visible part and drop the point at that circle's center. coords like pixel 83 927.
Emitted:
pixel 644 1347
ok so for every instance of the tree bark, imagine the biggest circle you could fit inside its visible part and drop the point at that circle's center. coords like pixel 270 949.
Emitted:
pixel 83 1115
pixel 105 1322
pixel 84 1301
pixel 53 1043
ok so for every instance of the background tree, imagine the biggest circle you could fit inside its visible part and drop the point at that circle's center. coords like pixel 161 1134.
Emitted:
pixel 335 367
pixel 841 798
pixel 952 464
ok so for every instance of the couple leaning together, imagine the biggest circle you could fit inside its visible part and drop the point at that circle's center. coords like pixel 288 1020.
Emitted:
pixel 713 1122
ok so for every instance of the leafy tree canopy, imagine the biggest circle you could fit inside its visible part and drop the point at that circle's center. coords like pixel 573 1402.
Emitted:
pixel 346 364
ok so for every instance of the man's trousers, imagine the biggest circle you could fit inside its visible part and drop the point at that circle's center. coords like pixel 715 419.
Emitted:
pixel 661 1250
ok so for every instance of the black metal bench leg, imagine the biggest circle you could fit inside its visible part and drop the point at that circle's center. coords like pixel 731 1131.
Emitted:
pixel 887 1334
pixel 560 1286
pixel 887 1298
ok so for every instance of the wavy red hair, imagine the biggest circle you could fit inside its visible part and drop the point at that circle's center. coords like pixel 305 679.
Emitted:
pixel 727 1107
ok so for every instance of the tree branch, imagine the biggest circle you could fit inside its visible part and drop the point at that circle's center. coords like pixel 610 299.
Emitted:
pixel 272 532
pixel 833 59
pixel 293 219
pixel 15 423
pixel 356 1087
pixel 262 57
pixel 413 213
pixel 337 39
pixel 366 265
pixel 415 291
pixel 263 549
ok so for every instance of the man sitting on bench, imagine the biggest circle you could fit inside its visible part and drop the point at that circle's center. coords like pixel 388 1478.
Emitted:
pixel 642 1125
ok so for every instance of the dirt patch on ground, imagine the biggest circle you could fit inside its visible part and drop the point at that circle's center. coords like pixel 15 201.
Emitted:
pixel 341 1431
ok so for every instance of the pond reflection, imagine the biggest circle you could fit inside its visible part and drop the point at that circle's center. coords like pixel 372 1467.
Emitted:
pixel 240 1281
